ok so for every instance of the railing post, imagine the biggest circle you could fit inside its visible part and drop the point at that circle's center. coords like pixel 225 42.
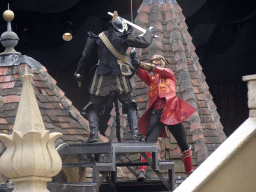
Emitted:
pixel 251 84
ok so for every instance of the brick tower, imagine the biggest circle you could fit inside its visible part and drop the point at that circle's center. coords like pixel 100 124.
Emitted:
pixel 204 129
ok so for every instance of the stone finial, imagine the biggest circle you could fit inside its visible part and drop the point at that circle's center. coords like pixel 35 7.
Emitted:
pixel 251 84
pixel 9 39
pixel 30 159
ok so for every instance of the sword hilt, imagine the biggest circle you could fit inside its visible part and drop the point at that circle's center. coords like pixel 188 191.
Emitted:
pixel 79 83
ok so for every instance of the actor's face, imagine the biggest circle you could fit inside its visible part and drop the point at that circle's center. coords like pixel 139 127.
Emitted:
pixel 158 62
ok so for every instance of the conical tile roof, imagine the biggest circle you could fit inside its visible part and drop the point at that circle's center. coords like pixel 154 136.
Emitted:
pixel 205 132
pixel 204 129
pixel 58 113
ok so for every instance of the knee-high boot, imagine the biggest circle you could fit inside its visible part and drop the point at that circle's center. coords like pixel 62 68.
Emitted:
pixel 93 119
pixel 132 121
pixel 142 169
pixel 187 160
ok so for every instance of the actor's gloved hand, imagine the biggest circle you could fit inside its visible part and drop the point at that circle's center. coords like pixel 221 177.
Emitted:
pixel 147 66
pixel 135 62
pixel 133 53
pixel 150 32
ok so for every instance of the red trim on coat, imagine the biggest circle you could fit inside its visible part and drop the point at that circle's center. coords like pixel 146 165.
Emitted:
pixel 163 84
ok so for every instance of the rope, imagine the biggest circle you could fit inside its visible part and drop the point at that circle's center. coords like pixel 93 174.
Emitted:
pixel 131 13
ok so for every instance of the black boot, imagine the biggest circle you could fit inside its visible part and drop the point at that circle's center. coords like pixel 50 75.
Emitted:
pixel 93 119
pixel 132 121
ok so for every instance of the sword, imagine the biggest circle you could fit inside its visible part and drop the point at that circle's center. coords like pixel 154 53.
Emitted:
pixel 79 83
pixel 134 25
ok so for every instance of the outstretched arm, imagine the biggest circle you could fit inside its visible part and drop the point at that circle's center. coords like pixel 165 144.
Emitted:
pixel 140 41
pixel 165 72
pixel 144 76
pixel 138 66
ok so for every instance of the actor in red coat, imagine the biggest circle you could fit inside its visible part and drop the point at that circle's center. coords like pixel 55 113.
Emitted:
pixel 164 108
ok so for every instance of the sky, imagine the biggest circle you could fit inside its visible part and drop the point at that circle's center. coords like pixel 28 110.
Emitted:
pixel 223 33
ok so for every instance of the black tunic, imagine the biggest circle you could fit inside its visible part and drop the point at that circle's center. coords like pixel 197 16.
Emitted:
pixel 108 75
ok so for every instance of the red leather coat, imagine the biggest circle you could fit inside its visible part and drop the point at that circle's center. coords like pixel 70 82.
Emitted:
pixel 163 84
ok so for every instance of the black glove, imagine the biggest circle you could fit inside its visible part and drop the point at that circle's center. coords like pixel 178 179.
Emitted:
pixel 135 62
pixel 151 33
pixel 133 53
pixel 147 66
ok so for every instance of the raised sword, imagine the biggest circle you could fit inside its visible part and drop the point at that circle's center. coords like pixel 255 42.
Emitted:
pixel 132 24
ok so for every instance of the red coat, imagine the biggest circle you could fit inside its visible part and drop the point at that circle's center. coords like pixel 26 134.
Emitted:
pixel 163 84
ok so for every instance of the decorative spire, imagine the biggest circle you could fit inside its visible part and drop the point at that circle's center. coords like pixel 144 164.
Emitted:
pixel 30 159
pixel 9 39
pixel 28 115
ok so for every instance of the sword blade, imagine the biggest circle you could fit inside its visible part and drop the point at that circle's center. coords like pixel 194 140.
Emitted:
pixel 132 24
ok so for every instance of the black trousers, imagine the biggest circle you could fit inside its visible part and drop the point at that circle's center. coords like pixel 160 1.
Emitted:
pixel 104 104
pixel 124 98
pixel 155 127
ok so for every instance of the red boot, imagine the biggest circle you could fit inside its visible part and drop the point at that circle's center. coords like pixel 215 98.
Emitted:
pixel 187 160
pixel 142 169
